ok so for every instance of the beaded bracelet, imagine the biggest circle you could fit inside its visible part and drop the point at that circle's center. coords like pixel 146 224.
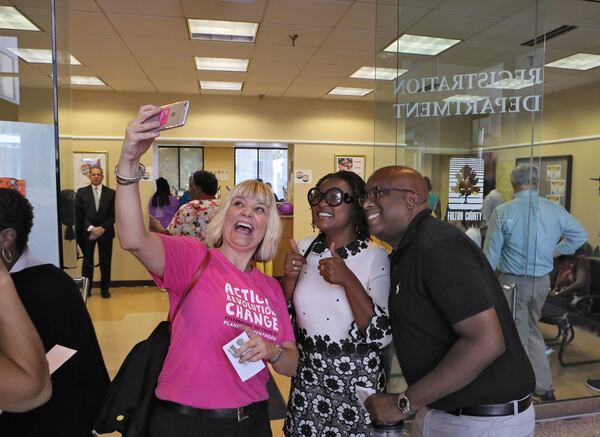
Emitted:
pixel 278 354
pixel 124 180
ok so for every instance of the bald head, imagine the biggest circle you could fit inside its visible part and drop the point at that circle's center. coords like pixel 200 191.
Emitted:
pixel 402 195
pixel 406 177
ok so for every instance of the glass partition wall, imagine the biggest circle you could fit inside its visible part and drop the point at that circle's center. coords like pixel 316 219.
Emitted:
pixel 29 54
pixel 481 87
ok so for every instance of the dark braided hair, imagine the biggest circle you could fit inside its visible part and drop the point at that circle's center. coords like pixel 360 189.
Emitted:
pixel 163 192
pixel 17 213
pixel 357 190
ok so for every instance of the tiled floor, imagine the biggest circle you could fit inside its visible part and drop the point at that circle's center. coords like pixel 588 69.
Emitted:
pixel 131 313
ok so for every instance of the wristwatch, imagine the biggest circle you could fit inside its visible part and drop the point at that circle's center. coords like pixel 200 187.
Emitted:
pixel 404 404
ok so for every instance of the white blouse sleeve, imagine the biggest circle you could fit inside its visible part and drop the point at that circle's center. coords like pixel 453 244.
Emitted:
pixel 379 332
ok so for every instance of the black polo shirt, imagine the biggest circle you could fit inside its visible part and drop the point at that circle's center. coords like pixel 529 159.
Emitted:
pixel 440 277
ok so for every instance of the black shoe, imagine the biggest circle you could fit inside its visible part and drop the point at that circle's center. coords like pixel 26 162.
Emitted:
pixel 544 397
pixel 593 384
pixel 105 294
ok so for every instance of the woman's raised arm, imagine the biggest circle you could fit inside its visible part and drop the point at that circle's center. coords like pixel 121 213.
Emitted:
pixel 132 233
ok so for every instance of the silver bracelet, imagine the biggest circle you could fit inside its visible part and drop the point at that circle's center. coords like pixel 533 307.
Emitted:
pixel 278 354
pixel 124 180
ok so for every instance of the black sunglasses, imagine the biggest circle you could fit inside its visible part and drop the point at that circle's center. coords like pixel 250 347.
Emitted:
pixel 378 191
pixel 333 196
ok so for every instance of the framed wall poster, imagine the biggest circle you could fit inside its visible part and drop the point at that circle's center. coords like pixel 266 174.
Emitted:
pixel 555 177
pixel 83 162
pixel 353 163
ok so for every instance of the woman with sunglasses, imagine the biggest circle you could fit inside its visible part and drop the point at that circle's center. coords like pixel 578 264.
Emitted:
pixel 337 285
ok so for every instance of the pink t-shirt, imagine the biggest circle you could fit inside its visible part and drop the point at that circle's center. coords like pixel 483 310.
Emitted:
pixel 196 371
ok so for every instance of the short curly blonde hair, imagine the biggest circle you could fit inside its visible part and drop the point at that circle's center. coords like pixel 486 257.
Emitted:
pixel 261 192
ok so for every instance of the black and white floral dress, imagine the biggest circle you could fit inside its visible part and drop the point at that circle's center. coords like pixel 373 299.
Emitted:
pixel 335 356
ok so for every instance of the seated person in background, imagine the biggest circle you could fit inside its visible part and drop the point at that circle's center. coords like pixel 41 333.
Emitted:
pixel 571 277
pixel 192 218
pixel 24 376
pixel 54 304
pixel 163 205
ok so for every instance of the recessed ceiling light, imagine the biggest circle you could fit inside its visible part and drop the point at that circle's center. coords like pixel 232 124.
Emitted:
pixel 579 61
pixel 378 73
pixel 213 30
pixel 86 80
pixel 511 84
pixel 420 45
pixel 343 91
pixel 12 19
pixel 220 86
pixel 221 64
pixel 464 98
pixel 41 56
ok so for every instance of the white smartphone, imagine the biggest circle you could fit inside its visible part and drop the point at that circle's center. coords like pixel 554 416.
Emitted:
pixel 173 115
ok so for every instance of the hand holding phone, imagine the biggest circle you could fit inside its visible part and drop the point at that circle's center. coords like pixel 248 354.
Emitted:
pixel 171 116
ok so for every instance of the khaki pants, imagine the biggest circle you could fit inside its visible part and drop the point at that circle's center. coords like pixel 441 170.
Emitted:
pixel 531 296
pixel 437 423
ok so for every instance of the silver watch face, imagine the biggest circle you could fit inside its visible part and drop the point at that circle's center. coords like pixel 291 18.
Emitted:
pixel 403 404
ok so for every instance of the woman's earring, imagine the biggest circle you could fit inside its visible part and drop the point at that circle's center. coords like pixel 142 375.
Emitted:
pixel 313 226
pixel 7 258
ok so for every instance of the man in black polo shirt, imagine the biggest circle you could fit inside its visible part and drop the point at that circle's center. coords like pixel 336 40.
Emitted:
pixel 459 350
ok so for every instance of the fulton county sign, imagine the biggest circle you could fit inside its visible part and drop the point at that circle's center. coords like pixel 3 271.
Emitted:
pixel 463 103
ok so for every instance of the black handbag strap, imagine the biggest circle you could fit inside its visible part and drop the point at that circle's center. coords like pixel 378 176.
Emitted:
pixel 191 285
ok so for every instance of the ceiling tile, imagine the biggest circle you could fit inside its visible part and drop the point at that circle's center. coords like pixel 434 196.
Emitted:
pixel 150 27
pixel 341 57
pixel 305 12
pixel 275 67
pixel 279 34
pixel 163 8
pixel 490 8
pixel 89 23
pixel 451 25
pixel 266 78
pixel 361 16
pixel 268 52
pixel 224 10
pixel 328 70
pixel 351 40
pixel 120 83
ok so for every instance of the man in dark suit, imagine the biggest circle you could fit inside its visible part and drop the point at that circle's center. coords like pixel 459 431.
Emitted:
pixel 95 223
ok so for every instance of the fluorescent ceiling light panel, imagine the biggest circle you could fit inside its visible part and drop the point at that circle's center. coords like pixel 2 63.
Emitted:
pixel 12 19
pixel 86 80
pixel 343 91
pixel 464 98
pixel 221 64
pixel 511 84
pixel 213 30
pixel 378 73
pixel 578 61
pixel 220 86
pixel 40 56
pixel 420 45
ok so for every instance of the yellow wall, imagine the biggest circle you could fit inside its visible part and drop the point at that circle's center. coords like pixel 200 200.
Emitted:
pixel 220 158
pixel 320 159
